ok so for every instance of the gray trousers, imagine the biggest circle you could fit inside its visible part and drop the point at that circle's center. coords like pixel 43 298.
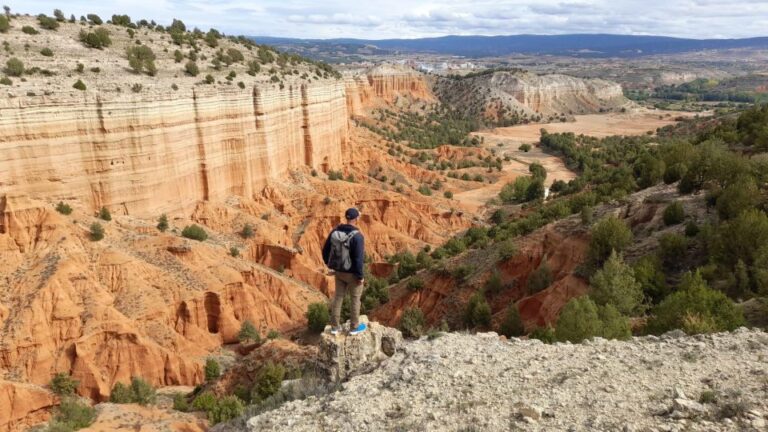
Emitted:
pixel 346 283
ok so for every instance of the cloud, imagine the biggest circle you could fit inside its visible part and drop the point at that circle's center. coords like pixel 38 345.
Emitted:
pixel 423 18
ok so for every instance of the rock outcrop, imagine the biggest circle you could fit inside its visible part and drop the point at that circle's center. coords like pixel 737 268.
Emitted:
pixel 384 84
pixel 504 95
pixel 342 356
pixel 23 405
pixel 483 382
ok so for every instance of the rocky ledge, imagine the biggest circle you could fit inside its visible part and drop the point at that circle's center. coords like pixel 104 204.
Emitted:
pixel 461 382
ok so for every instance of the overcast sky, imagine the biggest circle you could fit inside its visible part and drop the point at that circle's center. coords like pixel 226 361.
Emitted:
pixel 413 18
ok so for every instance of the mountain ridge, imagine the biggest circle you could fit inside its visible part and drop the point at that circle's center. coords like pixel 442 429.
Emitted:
pixel 583 45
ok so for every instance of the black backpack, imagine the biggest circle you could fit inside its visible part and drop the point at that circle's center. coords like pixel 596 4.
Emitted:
pixel 339 258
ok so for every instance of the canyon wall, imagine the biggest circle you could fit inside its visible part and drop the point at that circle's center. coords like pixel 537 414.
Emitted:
pixel 383 84
pixel 502 96
pixel 139 155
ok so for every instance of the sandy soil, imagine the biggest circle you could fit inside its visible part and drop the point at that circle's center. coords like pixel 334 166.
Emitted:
pixel 597 125
pixel 507 141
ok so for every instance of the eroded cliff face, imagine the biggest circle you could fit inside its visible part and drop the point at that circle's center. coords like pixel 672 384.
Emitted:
pixel 383 85
pixel 151 304
pixel 145 155
pixel 506 95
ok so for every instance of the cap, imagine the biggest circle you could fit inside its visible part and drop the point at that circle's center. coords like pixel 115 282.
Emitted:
pixel 352 213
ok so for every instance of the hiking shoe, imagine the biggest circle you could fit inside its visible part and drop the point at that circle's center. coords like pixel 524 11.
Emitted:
pixel 335 330
pixel 360 329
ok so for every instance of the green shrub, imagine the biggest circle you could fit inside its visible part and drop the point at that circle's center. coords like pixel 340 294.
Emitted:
pixel 79 85
pixel 477 312
pixel 425 190
pixel 672 248
pixel 47 22
pixel 212 369
pixel 121 394
pixel 318 317
pixel 512 326
pixel 104 214
pixel 4 24
pixel 587 215
pixel 226 408
pixel 578 321
pixel 234 252
pixel 63 208
pixel 141 59
pixel 415 284
pixel 412 322
pixel 609 234
pixel 241 84
pixel 6 81
pixel 191 68
pixel 448 194
pixel 540 279
pixel 142 392
pixel 674 214
pixel 14 67
pixel 162 223
pixel 493 285
pixel 62 384
pixel 544 334
pixel 29 30
pixel 98 39
pixel 194 232
pixel 209 79
pixel 205 401
pixel 649 274
pixel 46 52
pixel 180 402
pixel 94 19
pixel 273 334
pixel 736 198
pixel 247 231
pixel 614 325
pixel 695 303
pixel 615 284
pixel 691 229
pixel 525 147
pixel 73 414
pixel 97 231
pixel 507 249
pixel 268 381
pixel 248 333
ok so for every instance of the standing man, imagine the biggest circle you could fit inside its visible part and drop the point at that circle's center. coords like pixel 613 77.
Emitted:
pixel 344 253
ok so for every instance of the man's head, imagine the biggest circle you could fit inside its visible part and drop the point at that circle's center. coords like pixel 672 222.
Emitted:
pixel 352 214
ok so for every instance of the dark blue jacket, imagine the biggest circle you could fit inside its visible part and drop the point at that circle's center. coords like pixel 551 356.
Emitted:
pixel 356 249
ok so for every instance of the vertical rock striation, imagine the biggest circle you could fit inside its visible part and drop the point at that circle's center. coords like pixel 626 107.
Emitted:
pixel 141 155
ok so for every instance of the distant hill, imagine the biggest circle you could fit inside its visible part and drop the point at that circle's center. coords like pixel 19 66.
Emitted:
pixel 582 45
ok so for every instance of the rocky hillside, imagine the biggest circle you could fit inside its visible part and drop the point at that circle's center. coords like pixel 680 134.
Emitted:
pixel 513 96
pixel 460 382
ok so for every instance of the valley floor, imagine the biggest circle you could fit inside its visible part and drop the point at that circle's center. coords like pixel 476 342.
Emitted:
pixel 460 382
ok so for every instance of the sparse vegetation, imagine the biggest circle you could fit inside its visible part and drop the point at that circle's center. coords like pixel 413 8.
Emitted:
pixel 139 392
pixel 248 333
pixel 212 369
pixel 412 322
pixel 141 59
pixel 98 38
pixel 63 208
pixel 162 223
pixel 318 317
pixel 674 214
pixel 194 232
pixel 96 232
pixel 79 85
pixel 63 385
pixel 14 67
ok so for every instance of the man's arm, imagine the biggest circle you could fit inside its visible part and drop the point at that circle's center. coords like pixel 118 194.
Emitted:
pixel 357 249
pixel 327 249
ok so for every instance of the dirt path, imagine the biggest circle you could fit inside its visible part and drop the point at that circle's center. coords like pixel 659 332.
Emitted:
pixel 507 142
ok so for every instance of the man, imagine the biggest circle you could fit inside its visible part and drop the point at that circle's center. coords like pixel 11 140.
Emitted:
pixel 344 253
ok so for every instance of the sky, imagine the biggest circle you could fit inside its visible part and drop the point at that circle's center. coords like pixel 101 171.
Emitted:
pixel 364 19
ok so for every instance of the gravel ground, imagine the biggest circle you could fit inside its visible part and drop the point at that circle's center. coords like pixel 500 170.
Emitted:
pixel 461 382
